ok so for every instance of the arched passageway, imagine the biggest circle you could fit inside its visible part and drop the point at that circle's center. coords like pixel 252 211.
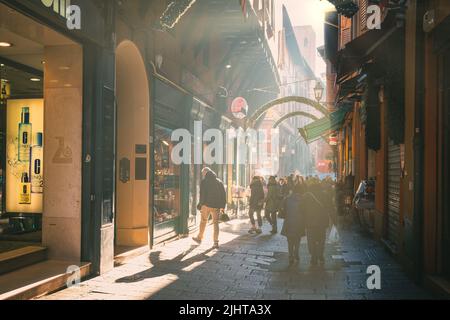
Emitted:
pixel 133 151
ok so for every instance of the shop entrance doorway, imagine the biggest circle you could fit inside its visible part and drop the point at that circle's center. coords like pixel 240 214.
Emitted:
pixel 133 149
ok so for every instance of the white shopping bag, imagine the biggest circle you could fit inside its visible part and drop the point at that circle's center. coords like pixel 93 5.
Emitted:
pixel 333 236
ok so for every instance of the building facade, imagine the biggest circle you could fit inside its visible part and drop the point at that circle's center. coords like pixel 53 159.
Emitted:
pixel 296 61
pixel 185 77
pixel 65 117
pixel 395 131
pixel 133 74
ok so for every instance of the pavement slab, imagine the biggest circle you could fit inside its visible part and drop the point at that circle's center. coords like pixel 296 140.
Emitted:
pixel 249 267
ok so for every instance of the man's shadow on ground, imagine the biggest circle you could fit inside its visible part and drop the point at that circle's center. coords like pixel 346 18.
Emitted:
pixel 163 267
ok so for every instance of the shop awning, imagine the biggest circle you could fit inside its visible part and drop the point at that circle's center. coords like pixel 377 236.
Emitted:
pixel 323 126
pixel 351 86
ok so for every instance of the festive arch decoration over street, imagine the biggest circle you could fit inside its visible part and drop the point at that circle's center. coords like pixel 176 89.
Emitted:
pixel 263 109
pixel 295 114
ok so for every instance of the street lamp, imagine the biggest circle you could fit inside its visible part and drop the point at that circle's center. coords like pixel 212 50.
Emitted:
pixel 318 91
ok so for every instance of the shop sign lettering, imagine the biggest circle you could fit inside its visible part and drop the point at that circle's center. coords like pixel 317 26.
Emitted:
pixel 59 6
pixel 72 13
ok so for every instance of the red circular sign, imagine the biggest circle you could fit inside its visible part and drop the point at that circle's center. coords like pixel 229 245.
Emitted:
pixel 239 108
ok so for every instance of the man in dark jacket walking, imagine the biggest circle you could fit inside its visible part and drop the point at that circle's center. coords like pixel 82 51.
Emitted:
pixel 273 200
pixel 317 222
pixel 294 223
pixel 256 204
pixel 212 202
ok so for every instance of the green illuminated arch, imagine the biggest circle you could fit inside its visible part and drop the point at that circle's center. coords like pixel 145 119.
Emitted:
pixel 295 114
pixel 263 109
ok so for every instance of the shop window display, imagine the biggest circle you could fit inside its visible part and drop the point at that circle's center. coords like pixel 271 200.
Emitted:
pixel 41 69
pixel 167 178
pixel 21 170
pixel 24 170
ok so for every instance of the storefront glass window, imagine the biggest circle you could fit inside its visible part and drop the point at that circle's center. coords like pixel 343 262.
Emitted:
pixel 45 85
pixel 167 178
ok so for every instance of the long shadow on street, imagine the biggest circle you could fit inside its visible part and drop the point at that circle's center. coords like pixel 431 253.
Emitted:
pixel 256 267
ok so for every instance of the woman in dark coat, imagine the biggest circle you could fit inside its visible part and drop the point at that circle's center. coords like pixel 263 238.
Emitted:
pixel 294 223
pixel 284 188
pixel 256 204
pixel 272 203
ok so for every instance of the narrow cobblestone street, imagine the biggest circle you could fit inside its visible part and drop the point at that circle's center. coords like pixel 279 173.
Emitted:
pixel 247 267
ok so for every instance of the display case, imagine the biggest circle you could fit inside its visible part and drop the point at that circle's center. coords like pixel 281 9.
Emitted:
pixel 167 179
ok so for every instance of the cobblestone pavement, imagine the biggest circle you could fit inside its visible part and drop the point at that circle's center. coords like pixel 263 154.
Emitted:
pixel 247 267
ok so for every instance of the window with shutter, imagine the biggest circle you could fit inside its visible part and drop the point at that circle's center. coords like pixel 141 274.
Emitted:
pixel 345 31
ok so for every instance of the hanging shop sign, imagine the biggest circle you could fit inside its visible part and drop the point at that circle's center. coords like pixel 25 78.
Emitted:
pixel 333 140
pixel 239 108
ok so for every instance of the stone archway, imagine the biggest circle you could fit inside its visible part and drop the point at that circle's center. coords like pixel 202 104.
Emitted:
pixel 133 149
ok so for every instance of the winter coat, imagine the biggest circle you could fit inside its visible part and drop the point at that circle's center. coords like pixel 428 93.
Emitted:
pixel 212 192
pixel 256 195
pixel 294 221
pixel 273 198
pixel 284 190
pixel 325 197
pixel 317 217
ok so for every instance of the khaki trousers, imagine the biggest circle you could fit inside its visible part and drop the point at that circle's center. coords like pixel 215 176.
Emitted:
pixel 205 213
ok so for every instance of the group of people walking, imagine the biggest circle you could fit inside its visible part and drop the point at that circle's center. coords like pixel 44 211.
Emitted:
pixel 305 204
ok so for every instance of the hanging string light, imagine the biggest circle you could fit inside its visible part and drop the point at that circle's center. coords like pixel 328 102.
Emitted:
pixel 174 11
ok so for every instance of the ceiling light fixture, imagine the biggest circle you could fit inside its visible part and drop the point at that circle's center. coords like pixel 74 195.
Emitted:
pixel 35 79
pixel 228 66
pixel 5 44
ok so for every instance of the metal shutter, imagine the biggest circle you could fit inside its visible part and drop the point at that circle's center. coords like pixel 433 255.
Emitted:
pixel 393 194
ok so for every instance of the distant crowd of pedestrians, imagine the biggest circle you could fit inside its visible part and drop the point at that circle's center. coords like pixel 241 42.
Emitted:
pixel 306 206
